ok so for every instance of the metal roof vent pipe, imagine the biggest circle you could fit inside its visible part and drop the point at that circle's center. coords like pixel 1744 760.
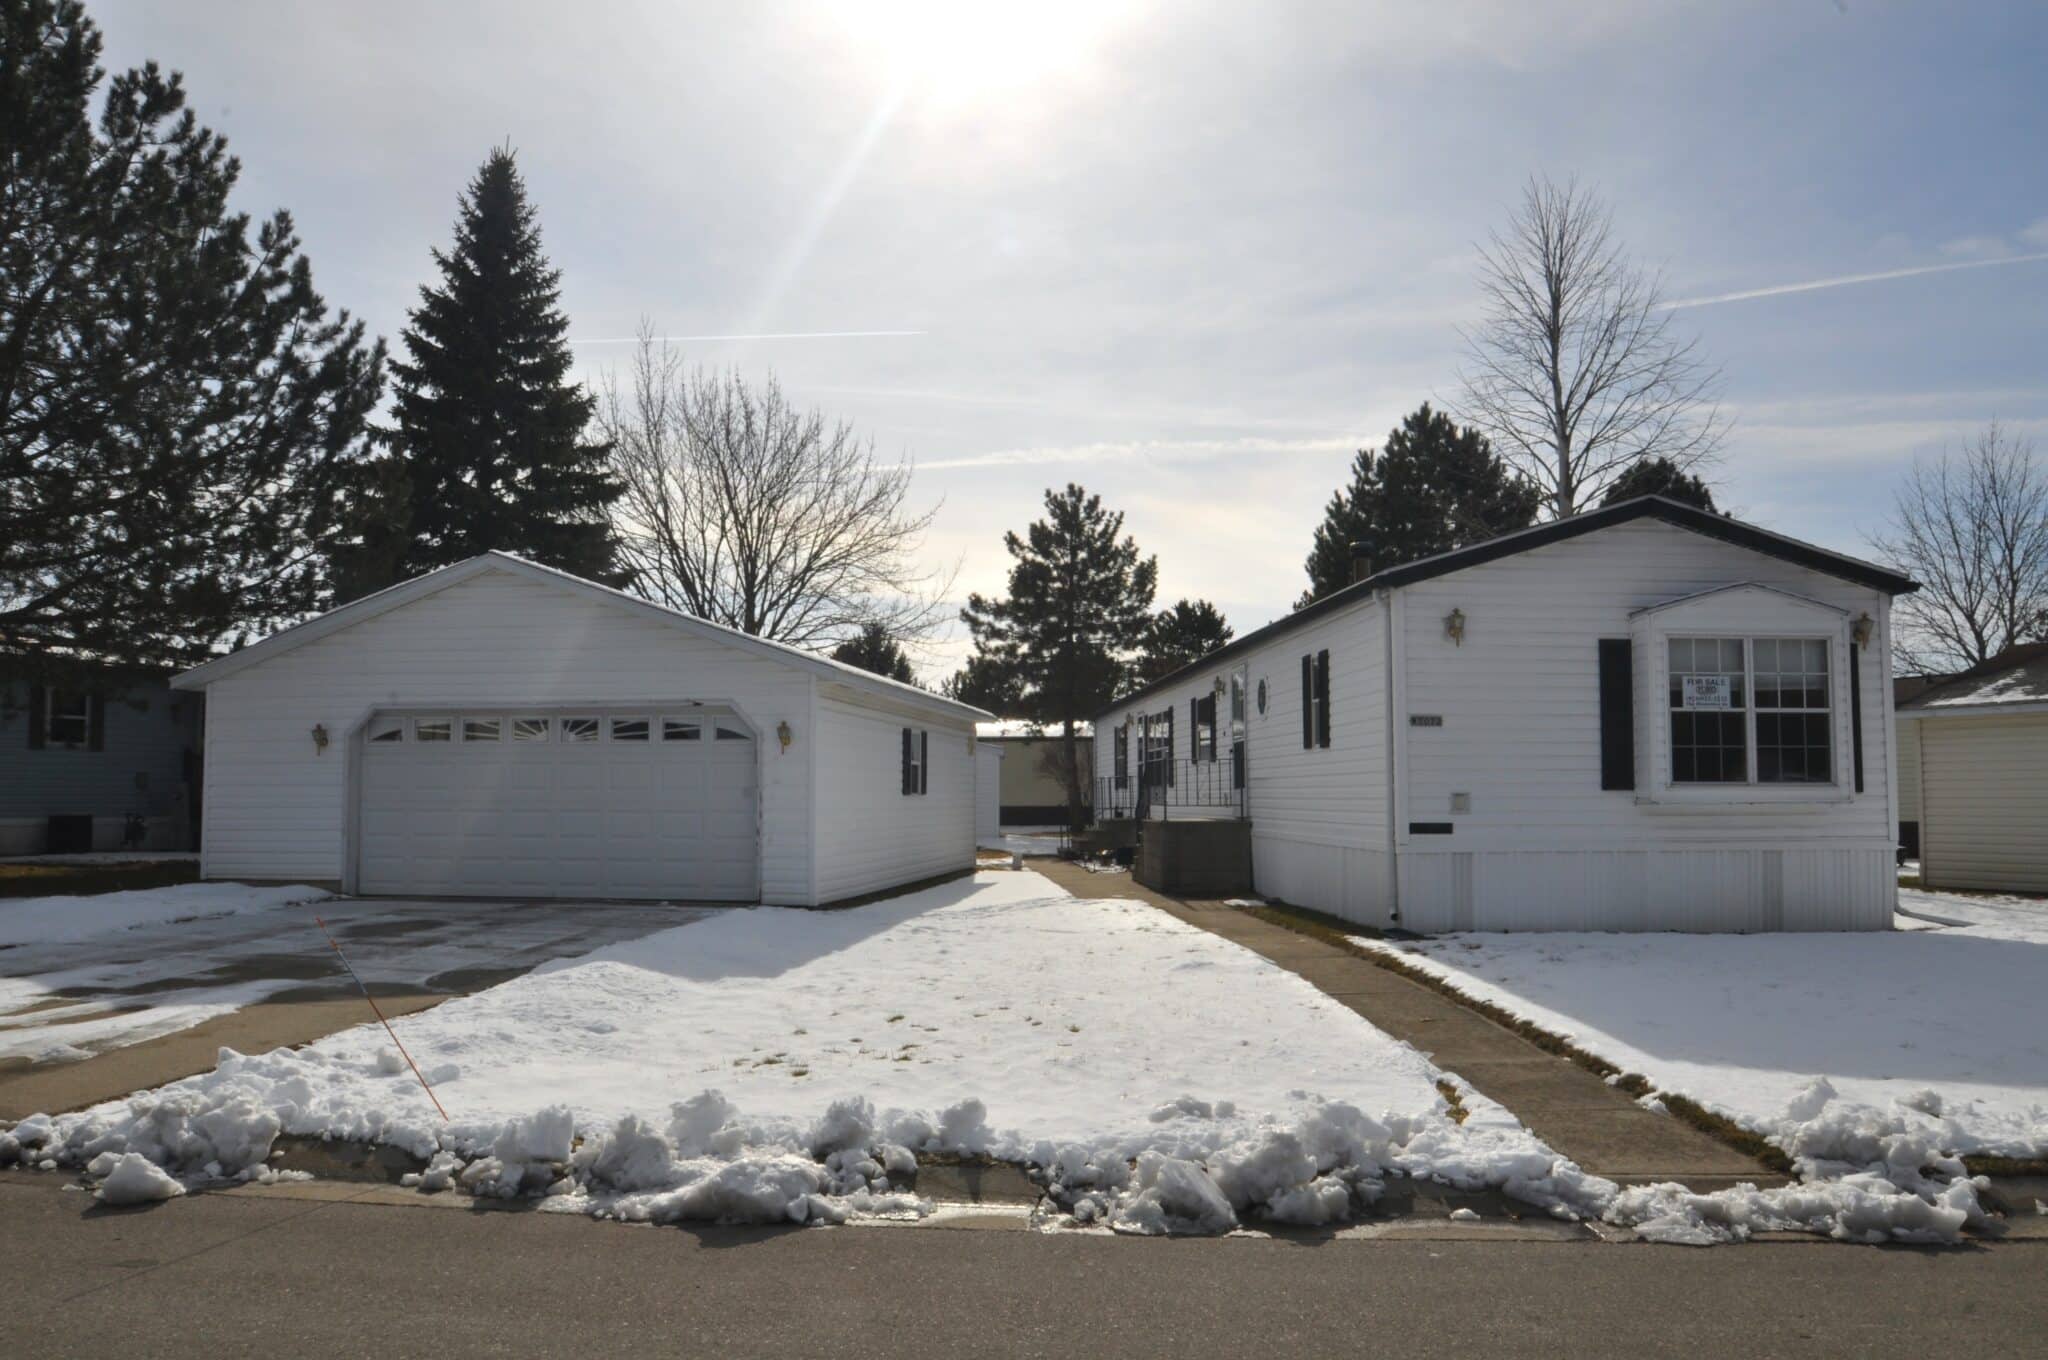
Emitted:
pixel 1361 563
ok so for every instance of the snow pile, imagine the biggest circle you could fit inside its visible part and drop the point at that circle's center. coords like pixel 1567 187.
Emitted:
pixel 45 920
pixel 132 1178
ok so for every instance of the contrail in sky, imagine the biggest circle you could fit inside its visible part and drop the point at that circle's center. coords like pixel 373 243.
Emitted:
pixel 771 335
pixel 1847 279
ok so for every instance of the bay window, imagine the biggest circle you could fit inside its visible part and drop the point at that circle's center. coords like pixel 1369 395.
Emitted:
pixel 1750 710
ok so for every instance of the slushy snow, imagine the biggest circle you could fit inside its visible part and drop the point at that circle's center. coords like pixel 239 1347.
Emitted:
pixel 46 920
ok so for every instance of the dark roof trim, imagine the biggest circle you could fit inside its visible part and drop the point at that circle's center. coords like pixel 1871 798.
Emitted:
pixel 1556 531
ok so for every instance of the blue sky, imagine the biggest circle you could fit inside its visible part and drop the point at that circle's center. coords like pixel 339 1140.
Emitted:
pixel 1189 255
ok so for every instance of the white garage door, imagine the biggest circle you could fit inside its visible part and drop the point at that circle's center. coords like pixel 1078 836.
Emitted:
pixel 560 803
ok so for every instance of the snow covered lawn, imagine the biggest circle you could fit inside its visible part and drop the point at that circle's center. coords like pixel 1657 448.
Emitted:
pixel 774 1063
pixel 48 920
pixel 1828 1043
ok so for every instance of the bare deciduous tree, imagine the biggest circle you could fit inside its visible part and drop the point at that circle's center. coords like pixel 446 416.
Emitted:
pixel 1972 528
pixel 1575 373
pixel 746 510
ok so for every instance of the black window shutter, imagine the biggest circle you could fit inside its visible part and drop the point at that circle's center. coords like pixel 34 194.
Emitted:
pixel 924 761
pixel 1856 711
pixel 1308 702
pixel 1194 730
pixel 38 713
pixel 96 730
pixel 908 772
pixel 1323 698
pixel 1617 714
pixel 1169 746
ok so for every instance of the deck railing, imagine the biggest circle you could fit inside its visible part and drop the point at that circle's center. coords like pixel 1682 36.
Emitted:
pixel 1159 788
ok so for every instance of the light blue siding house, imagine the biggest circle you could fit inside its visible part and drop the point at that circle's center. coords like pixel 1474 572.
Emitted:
pixel 110 770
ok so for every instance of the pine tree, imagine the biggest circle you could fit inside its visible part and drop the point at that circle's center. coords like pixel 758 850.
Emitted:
pixel 1655 476
pixel 1180 637
pixel 489 431
pixel 872 649
pixel 987 681
pixel 176 402
pixel 1436 486
pixel 1077 613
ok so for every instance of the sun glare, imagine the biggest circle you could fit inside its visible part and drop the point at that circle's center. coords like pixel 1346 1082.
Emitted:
pixel 958 50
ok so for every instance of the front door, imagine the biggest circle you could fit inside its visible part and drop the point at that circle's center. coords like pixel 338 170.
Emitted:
pixel 1238 680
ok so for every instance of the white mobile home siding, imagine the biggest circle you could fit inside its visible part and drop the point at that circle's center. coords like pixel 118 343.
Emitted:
pixel 872 835
pixel 276 808
pixel 1985 813
pixel 1318 814
pixel 1543 846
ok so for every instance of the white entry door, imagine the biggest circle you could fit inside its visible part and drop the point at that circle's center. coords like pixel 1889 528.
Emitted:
pixel 560 803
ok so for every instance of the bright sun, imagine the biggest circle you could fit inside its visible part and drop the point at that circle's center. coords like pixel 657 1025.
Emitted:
pixel 957 50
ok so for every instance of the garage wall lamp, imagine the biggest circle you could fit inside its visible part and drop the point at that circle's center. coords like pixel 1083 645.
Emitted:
pixel 320 739
pixel 1860 630
pixel 783 734
pixel 1454 626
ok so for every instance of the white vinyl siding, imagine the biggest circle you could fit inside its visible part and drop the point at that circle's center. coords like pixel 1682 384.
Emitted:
pixel 1984 811
pixel 870 834
pixel 277 808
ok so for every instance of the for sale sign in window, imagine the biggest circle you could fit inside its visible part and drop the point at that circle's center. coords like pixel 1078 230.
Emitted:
pixel 1707 691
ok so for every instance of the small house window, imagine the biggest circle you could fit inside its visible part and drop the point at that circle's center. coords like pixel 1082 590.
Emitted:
pixel 530 729
pixel 916 760
pixel 1203 713
pixel 387 729
pixel 70 718
pixel 579 729
pixel 681 729
pixel 433 729
pixel 483 729
pixel 629 729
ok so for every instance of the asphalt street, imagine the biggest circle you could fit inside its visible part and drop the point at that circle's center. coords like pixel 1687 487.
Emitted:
pixel 229 1275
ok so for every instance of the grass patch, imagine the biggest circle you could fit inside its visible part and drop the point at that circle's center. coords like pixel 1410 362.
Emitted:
pixel 2006 1166
pixel 1459 1114
pixel 1337 933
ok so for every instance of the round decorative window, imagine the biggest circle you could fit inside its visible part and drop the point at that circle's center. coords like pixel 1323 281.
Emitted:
pixel 1262 696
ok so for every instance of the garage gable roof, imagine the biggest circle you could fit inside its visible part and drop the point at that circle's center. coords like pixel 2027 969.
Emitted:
pixel 1661 508
pixel 407 592
pixel 2016 680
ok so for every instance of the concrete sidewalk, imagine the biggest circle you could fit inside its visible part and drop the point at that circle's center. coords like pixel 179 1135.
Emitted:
pixel 1575 1112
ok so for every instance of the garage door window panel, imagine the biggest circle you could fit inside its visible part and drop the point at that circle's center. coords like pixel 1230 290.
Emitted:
pixel 579 729
pixel 433 729
pixel 532 729
pixel 629 729
pixel 681 729
pixel 732 732
pixel 387 729
pixel 483 729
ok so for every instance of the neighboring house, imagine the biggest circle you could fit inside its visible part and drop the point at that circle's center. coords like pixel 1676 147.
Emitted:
pixel 111 767
pixel 1033 755
pixel 500 729
pixel 1982 791
pixel 1644 717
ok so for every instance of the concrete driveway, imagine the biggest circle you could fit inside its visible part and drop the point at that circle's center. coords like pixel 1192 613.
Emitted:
pixel 87 1020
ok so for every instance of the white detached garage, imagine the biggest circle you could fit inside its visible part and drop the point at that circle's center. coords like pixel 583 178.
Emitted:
pixel 501 729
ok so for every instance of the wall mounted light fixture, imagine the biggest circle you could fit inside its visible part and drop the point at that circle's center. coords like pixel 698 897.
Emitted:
pixel 319 739
pixel 1454 626
pixel 1861 629
pixel 783 734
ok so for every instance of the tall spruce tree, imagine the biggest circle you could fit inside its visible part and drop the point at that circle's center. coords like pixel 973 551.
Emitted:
pixel 1181 636
pixel 1656 476
pixel 872 649
pixel 176 401
pixel 488 436
pixel 987 681
pixel 1077 613
pixel 1436 486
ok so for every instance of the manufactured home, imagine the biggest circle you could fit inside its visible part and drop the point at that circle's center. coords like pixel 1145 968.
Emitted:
pixel 500 729
pixel 1644 717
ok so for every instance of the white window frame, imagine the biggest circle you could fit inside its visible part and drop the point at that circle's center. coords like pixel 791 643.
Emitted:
pixel 1751 710
pixel 52 716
